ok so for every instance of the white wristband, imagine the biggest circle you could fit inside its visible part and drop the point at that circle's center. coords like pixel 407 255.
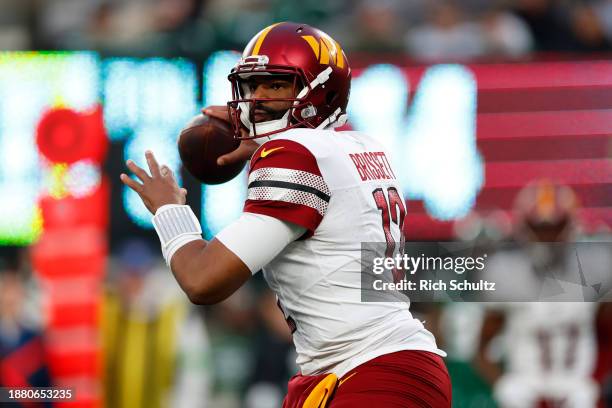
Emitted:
pixel 177 244
pixel 176 225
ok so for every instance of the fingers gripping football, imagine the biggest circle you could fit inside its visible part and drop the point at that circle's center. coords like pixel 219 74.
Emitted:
pixel 217 111
pixel 243 153
pixel 246 148
pixel 157 189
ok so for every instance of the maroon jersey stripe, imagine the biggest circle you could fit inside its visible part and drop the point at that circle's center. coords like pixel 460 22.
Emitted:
pixel 284 154
pixel 298 214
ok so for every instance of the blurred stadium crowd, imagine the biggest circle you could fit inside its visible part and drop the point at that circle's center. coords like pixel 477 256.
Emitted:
pixel 424 29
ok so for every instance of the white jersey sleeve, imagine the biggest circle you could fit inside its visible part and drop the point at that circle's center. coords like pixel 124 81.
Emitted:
pixel 277 234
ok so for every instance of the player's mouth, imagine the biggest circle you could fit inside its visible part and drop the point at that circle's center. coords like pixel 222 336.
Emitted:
pixel 263 113
pixel 260 115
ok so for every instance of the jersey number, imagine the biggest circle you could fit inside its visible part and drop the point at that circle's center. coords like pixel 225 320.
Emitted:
pixel 392 209
pixel 545 338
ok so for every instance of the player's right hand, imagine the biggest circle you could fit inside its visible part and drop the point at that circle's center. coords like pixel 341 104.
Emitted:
pixel 157 188
pixel 246 148
pixel 217 111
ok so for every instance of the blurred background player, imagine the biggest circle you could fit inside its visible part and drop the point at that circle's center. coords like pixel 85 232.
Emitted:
pixel 549 347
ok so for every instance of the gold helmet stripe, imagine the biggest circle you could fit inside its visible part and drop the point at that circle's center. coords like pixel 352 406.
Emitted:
pixel 262 37
pixel 339 56
pixel 326 50
pixel 314 44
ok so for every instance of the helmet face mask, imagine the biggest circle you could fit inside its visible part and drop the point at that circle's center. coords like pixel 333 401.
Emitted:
pixel 318 70
pixel 243 105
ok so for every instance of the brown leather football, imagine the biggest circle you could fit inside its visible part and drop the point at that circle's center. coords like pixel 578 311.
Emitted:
pixel 201 142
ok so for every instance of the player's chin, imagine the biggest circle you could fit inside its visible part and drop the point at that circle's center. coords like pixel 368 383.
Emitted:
pixel 262 116
pixel 259 118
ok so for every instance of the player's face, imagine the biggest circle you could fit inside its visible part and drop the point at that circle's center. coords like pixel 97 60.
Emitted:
pixel 261 87
pixel 557 232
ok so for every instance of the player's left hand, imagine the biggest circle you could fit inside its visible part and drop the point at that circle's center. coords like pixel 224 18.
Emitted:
pixel 159 188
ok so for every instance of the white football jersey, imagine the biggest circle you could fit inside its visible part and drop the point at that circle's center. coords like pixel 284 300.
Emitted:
pixel 341 187
pixel 551 338
pixel 550 346
pixel 551 353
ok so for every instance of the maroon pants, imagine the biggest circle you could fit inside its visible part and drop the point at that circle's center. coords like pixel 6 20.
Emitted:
pixel 397 380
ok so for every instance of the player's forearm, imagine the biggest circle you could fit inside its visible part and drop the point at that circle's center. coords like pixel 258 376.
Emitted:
pixel 203 269
pixel 185 268
pixel 206 273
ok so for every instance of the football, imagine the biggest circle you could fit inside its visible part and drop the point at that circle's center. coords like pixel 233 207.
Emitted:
pixel 201 142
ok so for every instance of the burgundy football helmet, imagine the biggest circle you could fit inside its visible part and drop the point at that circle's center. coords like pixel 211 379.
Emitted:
pixel 312 59
pixel 545 211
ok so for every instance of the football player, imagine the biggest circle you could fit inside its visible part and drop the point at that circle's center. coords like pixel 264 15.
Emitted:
pixel 549 346
pixel 314 195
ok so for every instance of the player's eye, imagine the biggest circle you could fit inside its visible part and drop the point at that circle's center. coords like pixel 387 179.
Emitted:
pixel 279 85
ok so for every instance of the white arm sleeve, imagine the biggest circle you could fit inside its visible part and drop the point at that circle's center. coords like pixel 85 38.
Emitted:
pixel 244 237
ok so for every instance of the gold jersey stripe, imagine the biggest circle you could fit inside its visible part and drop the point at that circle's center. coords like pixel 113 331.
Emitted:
pixel 262 37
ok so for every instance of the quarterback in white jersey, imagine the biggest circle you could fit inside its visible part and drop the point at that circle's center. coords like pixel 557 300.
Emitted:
pixel 329 183
pixel 314 195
